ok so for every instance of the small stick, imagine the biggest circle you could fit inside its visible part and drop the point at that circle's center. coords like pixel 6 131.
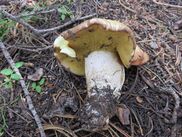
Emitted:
pixel 127 8
pixel 172 92
pixel 36 13
pixel 168 5
pixel 22 22
pixel 25 90
pixel 37 31
pixel 30 49
pixel 119 129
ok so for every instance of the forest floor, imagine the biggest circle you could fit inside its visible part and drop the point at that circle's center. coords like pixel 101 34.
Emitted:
pixel 152 92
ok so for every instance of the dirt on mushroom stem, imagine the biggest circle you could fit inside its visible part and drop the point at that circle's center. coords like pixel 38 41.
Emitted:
pixel 97 109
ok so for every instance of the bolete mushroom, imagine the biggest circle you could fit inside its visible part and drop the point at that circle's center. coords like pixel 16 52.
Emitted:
pixel 99 49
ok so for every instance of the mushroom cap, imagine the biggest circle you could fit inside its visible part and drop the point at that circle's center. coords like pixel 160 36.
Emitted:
pixel 73 45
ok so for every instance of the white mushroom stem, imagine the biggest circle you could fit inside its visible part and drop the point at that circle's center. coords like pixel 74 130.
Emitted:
pixel 104 70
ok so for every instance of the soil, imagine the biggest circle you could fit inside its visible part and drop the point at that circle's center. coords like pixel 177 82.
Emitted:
pixel 151 92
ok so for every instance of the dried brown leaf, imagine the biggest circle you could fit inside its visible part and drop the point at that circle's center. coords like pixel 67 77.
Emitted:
pixel 37 75
pixel 123 114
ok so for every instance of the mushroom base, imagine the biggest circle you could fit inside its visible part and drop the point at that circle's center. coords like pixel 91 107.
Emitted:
pixel 98 108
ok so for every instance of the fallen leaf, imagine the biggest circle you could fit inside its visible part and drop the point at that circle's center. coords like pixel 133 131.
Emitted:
pixel 123 115
pixel 37 75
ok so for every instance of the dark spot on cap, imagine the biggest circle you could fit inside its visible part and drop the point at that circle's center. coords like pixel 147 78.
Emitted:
pixel 103 46
pixel 78 59
pixel 109 38
pixel 129 37
pixel 91 30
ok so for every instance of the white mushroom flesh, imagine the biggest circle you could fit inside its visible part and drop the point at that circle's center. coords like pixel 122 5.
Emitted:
pixel 103 69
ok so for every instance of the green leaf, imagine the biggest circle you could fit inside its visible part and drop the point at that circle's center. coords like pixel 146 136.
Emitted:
pixel 9 85
pixel 5 26
pixel 42 81
pixel 3 22
pixel 38 89
pixel 1 133
pixel 7 79
pixel 6 72
pixel 71 16
pixel 19 64
pixel 62 10
pixel 34 85
pixel 15 76
pixel 63 17
pixel 69 1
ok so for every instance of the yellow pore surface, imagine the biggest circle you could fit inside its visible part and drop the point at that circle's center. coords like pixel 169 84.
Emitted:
pixel 95 38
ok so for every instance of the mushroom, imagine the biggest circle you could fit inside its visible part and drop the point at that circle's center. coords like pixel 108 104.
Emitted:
pixel 99 49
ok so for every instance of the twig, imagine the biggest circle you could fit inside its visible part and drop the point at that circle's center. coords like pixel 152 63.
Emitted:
pixel 147 69
pixel 136 14
pixel 22 22
pixel 36 13
pixel 172 92
pixel 39 32
pixel 152 127
pixel 8 133
pixel 138 122
pixel 5 2
pixel 165 4
pixel 25 90
pixel 18 115
pixel 173 120
pixel 127 8
pixel 30 49
pixel 119 129
pixel 112 131
pixel 63 130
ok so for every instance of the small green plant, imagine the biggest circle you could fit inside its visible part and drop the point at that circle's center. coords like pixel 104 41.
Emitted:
pixel 64 12
pixel 5 26
pixel 37 86
pixel 70 1
pixel 10 76
pixel 29 18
